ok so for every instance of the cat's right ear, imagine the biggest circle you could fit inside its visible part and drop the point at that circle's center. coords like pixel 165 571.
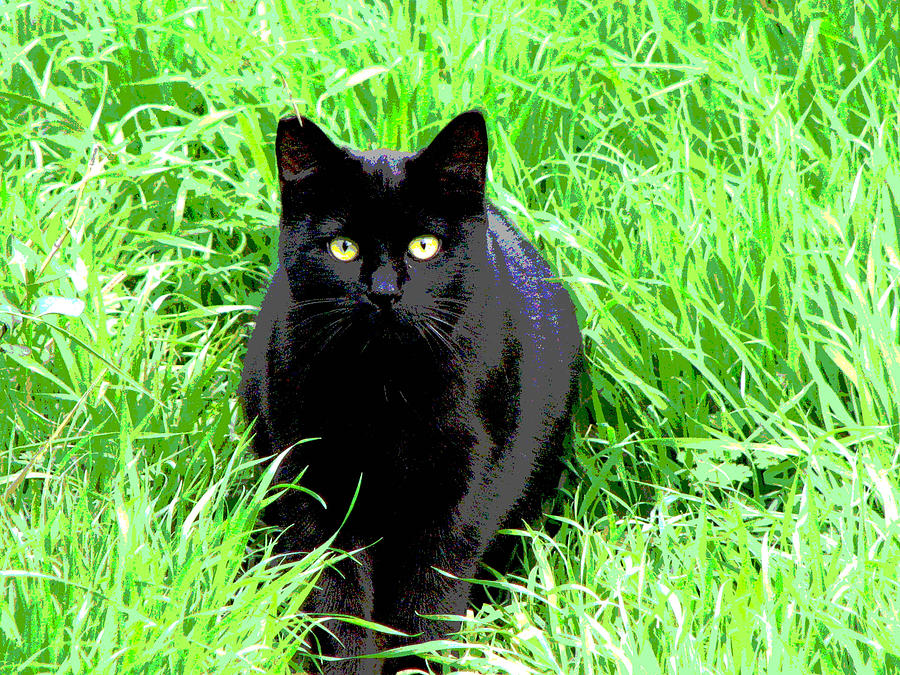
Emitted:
pixel 301 149
pixel 457 157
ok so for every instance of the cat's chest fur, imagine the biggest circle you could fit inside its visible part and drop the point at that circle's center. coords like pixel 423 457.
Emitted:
pixel 386 400
pixel 408 417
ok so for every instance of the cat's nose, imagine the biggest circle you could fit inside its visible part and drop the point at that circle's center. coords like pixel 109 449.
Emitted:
pixel 384 290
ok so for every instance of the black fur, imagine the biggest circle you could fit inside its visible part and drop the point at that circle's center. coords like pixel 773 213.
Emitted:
pixel 447 383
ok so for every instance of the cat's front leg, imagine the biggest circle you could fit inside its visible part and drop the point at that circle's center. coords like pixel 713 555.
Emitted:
pixel 413 585
pixel 346 588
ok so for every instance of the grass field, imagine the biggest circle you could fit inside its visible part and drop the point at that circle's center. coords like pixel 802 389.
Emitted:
pixel 718 186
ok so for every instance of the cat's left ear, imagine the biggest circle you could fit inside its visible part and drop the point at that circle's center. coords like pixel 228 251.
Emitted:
pixel 458 154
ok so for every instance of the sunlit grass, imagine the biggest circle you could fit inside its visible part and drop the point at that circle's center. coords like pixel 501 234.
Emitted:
pixel 718 189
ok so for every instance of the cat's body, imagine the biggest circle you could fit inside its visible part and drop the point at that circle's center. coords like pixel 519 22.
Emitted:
pixel 445 382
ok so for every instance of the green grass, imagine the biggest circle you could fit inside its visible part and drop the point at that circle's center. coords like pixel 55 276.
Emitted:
pixel 718 188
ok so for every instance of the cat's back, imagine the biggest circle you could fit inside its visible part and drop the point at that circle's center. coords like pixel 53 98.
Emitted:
pixel 543 306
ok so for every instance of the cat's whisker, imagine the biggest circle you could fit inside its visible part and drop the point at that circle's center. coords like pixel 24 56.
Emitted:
pixel 343 317
pixel 453 323
pixel 450 329
pixel 452 347
pixel 456 306
pixel 441 345
pixel 437 317
pixel 340 326
pixel 337 305
pixel 432 347
pixel 461 334
pixel 305 323
pixel 317 301
pixel 450 316
pixel 314 332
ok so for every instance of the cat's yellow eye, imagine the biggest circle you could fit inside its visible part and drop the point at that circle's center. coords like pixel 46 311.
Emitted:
pixel 424 247
pixel 343 249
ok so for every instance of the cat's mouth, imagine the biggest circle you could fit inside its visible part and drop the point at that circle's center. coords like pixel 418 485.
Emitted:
pixel 390 325
pixel 383 317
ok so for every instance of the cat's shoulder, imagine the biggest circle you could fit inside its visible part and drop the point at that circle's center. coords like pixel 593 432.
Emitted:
pixel 505 240
pixel 528 271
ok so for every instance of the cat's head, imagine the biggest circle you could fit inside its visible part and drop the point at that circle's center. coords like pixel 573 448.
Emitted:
pixel 384 241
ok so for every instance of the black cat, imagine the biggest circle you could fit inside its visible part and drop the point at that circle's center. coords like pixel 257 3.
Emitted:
pixel 413 331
